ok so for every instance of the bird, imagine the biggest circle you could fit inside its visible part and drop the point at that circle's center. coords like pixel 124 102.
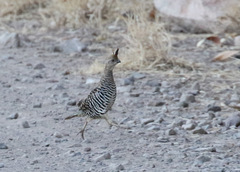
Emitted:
pixel 101 99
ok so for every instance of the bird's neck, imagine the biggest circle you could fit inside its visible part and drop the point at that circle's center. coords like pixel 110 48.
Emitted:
pixel 108 74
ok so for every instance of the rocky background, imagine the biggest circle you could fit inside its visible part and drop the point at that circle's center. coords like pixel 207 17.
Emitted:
pixel 182 114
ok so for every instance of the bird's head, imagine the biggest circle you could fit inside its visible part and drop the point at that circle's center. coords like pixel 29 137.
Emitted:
pixel 113 61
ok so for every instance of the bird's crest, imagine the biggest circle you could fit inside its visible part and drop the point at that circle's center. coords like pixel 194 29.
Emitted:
pixel 115 54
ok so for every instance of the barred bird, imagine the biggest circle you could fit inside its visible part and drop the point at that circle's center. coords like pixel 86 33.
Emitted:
pixel 100 99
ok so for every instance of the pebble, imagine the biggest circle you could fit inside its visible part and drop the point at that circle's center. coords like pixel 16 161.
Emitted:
pixel 156 103
pixel 87 149
pixel 214 108
pixel 59 87
pixel 203 159
pixel 137 75
pixel 25 124
pixel 58 135
pixel 120 167
pixel 39 66
pixel 103 157
pixel 233 120
pixel 10 40
pixel 188 98
pixel 1 165
pixel 72 103
pixel 128 81
pixel 162 140
pixel 211 115
pixel 199 131
pixel 146 121
pixel 70 46
pixel 154 128
pixel 171 132
pixel 39 105
pixel 184 104
pixel 13 116
pixel 189 126
pixel 195 88
pixel 3 146
pixel 153 83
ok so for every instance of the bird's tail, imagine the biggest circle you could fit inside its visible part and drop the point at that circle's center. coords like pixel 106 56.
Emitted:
pixel 79 114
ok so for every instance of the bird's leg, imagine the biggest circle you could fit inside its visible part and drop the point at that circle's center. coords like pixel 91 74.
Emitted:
pixel 85 125
pixel 109 121
pixel 79 114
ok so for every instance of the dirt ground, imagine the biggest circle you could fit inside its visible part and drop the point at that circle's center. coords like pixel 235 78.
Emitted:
pixel 175 115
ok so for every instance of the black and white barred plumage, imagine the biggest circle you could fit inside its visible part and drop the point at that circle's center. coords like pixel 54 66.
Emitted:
pixel 100 99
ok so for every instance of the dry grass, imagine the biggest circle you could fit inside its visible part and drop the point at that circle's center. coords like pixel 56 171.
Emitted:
pixel 148 43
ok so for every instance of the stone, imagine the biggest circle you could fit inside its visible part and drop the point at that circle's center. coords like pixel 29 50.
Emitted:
pixel 199 131
pixel 184 104
pixel 153 83
pixel 146 121
pixel 72 103
pixel 25 124
pixel 87 149
pixel 203 159
pixel 237 41
pixel 39 105
pixel 189 126
pixel 233 120
pixel 3 146
pixel 39 66
pixel 13 116
pixel 10 40
pixel 188 98
pixel 103 157
pixel 214 108
pixel 70 46
pixel 154 128
pixel 211 115
pixel 57 135
pixel 120 167
pixel 171 132
pixel 128 81
pixel 162 140
pixel 1 165
pixel 137 75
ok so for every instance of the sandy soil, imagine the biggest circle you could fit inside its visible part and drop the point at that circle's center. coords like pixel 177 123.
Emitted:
pixel 42 84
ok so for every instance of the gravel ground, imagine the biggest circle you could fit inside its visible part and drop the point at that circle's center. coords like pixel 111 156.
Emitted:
pixel 177 118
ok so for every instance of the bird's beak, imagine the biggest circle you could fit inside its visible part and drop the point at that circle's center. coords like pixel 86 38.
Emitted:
pixel 118 61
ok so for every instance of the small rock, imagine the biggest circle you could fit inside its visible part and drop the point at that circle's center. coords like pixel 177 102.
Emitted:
pixel 128 81
pixel 154 128
pixel 203 159
pixel 39 66
pixel 188 98
pixel 57 135
pixel 195 88
pixel 34 162
pixel 171 132
pixel 13 116
pixel 199 131
pixel 211 115
pixel 233 120
pixel 39 105
pixel 120 167
pixel 1 165
pixel 135 94
pixel 72 103
pixel 137 75
pixel 184 104
pixel 146 121
pixel 59 87
pixel 77 154
pixel 189 126
pixel 3 146
pixel 87 149
pixel 10 40
pixel 103 157
pixel 153 83
pixel 214 108
pixel 237 41
pixel 156 103
pixel 163 140
pixel 25 124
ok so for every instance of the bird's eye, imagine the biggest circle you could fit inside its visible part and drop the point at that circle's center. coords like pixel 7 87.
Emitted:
pixel 112 60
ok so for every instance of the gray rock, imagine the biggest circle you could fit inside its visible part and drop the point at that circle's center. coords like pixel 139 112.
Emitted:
pixel 214 108
pixel 58 135
pixel 87 149
pixel 162 140
pixel 13 116
pixel 237 41
pixel 171 132
pixel 188 98
pixel 156 103
pixel 137 75
pixel 211 115
pixel 39 105
pixel 59 87
pixel 184 104
pixel 189 126
pixel 1 165
pixel 3 146
pixel 40 66
pixel 120 167
pixel 203 159
pixel 128 81
pixel 199 131
pixel 70 46
pixel 25 124
pixel 154 128
pixel 103 157
pixel 195 88
pixel 146 121
pixel 233 120
pixel 153 83
pixel 10 40
pixel 72 103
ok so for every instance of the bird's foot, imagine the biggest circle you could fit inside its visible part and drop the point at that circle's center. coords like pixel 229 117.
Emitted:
pixel 82 133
